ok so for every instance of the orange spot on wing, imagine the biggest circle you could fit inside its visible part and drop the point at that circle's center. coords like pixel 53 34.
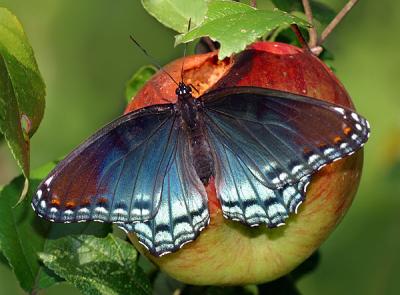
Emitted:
pixel 70 204
pixel 102 201
pixel 337 139
pixel 85 202
pixel 347 130
pixel 55 202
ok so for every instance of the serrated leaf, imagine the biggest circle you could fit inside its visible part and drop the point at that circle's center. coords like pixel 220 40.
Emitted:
pixel 97 266
pixel 23 234
pixel 22 89
pixel 321 12
pixel 175 14
pixel 138 80
pixel 235 25
pixel 221 8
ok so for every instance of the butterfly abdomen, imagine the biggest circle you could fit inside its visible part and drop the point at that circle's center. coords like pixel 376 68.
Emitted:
pixel 201 154
pixel 193 123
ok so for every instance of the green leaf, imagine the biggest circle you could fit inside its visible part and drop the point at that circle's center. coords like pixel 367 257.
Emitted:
pixel 175 14
pixel 321 12
pixel 23 234
pixel 22 89
pixel 3 259
pixel 138 80
pixel 235 25
pixel 97 266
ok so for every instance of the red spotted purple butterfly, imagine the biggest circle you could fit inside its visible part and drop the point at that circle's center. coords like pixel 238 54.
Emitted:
pixel 148 169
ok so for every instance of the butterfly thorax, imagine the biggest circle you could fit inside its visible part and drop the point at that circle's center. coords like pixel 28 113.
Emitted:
pixel 192 122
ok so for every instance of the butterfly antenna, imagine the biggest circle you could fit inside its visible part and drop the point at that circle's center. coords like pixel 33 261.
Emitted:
pixel 184 50
pixel 152 59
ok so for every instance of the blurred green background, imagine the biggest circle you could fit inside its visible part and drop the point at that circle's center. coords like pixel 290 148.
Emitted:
pixel 85 56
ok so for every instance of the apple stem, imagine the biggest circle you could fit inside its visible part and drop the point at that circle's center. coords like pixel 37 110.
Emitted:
pixel 312 31
pixel 253 3
pixel 300 37
pixel 338 18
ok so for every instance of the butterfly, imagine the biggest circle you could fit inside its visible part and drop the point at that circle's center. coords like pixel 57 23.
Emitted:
pixel 148 169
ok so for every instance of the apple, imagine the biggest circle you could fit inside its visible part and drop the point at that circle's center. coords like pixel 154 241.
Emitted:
pixel 228 252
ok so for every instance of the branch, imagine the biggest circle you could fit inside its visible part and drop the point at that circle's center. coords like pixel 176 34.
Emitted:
pixel 300 37
pixel 338 18
pixel 209 43
pixel 313 31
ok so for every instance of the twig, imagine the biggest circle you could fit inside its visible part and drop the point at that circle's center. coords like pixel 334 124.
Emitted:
pixel 209 43
pixel 271 35
pixel 313 31
pixel 336 20
pixel 253 3
pixel 300 37
pixel 317 50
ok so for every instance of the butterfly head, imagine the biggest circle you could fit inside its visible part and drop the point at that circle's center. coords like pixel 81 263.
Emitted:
pixel 183 90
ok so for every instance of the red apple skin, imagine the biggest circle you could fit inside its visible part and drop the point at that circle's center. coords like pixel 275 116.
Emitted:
pixel 227 252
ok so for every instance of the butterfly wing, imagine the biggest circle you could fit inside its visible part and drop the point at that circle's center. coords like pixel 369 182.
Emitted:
pixel 183 211
pixel 114 176
pixel 243 196
pixel 268 143
pixel 282 137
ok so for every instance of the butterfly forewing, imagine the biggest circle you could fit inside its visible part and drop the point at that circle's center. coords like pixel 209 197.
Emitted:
pixel 282 137
pixel 183 211
pixel 116 175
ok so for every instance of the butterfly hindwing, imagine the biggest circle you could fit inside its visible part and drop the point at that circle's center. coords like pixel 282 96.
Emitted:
pixel 243 197
pixel 183 211
pixel 282 137
pixel 114 176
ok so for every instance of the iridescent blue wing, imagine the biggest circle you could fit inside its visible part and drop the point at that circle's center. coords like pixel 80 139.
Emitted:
pixel 114 176
pixel 282 137
pixel 183 211
pixel 243 196
pixel 267 144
